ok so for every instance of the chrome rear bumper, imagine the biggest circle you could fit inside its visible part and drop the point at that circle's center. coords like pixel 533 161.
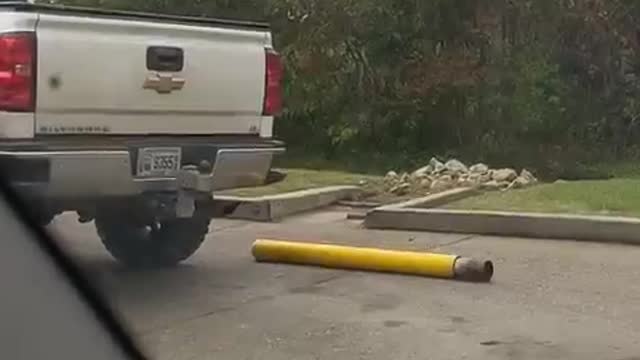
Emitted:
pixel 82 174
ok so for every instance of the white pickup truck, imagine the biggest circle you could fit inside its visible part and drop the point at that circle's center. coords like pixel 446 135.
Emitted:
pixel 134 120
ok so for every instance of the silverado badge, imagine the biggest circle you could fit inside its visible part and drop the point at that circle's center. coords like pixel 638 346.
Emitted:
pixel 163 83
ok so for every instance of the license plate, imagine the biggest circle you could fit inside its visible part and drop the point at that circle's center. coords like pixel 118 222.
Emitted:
pixel 161 161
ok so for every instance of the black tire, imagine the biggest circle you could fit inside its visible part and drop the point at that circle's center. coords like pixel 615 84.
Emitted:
pixel 138 245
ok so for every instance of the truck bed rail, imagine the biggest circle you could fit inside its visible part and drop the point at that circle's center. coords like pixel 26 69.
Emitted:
pixel 134 15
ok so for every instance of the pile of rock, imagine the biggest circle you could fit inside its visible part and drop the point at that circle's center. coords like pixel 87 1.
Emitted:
pixel 438 176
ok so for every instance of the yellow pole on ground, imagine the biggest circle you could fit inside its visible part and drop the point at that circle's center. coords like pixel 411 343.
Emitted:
pixel 370 259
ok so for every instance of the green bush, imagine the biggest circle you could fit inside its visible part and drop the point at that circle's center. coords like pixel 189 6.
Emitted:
pixel 542 83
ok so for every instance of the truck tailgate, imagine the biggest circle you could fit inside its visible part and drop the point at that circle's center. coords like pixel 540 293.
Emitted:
pixel 124 76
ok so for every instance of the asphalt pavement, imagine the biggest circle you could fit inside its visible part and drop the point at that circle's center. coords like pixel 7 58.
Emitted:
pixel 548 299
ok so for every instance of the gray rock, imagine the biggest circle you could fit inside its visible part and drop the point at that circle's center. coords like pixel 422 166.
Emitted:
pixel 391 176
pixel 474 179
pixel 519 183
pixel 495 185
pixel 454 166
pixel 466 182
pixel 504 175
pixel 479 168
pixel 405 178
pixel 446 178
pixel 525 174
pixel 438 186
pixel 423 171
pixel 437 165
pixel 400 189
pixel 434 162
pixel 425 183
pixel 485 177
pixel 442 183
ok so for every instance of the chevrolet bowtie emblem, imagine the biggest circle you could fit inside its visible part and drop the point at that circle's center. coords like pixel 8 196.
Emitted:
pixel 163 83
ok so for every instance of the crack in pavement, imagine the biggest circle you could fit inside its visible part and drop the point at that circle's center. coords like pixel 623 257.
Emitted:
pixel 454 242
pixel 247 301
pixel 220 310
pixel 232 226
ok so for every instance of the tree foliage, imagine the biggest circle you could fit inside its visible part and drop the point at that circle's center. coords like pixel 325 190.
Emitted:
pixel 540 82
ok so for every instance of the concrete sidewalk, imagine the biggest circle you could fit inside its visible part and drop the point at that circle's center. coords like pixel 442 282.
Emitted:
pixel 421 215
pixel 278 206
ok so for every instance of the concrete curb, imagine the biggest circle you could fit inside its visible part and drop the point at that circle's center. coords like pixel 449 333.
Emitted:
pixel 274 207
pixel 553 226
pixel 435 200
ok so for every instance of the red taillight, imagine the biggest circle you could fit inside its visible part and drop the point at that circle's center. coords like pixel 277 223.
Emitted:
pixel 17 71
pixel 272 88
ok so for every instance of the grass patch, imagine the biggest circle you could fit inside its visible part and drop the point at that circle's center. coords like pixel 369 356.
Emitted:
pixel 302 179
pixel 606 197
pixel 620 169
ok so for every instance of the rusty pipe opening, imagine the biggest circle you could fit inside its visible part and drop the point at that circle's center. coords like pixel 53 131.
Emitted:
pixel 467 269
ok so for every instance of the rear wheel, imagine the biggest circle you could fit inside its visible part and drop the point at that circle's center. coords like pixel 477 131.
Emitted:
pixel 163 243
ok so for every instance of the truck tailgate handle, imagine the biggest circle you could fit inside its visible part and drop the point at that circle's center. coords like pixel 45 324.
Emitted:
pixel 165 58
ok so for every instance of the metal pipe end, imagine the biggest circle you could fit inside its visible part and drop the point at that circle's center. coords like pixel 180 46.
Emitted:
pixel 254 251
pixel 467 269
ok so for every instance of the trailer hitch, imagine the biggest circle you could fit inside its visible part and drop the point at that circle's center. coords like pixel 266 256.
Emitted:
pixel 194 183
